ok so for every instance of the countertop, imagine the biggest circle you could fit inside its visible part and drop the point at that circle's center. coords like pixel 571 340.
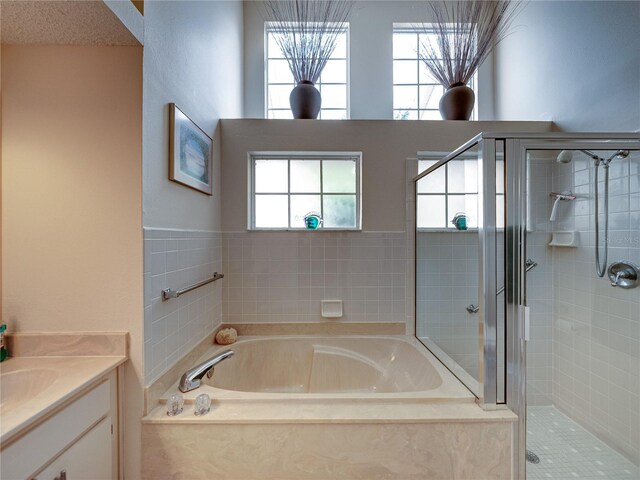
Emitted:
pixel 63 376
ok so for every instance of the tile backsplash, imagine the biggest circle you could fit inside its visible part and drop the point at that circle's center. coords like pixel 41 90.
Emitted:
pixel 175 259
pixel 283 276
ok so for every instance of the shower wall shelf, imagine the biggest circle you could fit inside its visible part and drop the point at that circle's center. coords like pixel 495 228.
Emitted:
pixel 567 238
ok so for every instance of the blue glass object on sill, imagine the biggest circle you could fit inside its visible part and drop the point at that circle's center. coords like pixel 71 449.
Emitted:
pixel 312 221
pixel 460 221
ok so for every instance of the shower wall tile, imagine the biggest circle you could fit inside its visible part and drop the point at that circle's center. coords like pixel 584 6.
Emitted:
pixel 283 276
pixel 175 259
pixel 539 282
pixel 447 279
pixel 596 330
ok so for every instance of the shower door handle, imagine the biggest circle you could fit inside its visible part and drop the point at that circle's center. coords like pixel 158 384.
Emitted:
pixel 526 323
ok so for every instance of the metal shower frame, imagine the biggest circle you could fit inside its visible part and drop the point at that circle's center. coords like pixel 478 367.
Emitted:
pixel 516 146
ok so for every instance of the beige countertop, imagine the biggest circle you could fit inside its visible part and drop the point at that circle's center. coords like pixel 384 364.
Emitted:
pixel 46 370
pixel 34 387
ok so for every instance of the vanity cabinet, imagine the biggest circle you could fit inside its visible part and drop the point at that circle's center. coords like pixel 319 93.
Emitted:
pixel 78 441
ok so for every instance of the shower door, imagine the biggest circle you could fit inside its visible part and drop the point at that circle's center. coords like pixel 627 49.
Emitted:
pixel 573 340
pixel 459 213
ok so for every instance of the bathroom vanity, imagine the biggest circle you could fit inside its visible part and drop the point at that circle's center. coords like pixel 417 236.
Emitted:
pixel 60 417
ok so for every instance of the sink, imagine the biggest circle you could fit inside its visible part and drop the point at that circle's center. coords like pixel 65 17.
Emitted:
pixel 19 386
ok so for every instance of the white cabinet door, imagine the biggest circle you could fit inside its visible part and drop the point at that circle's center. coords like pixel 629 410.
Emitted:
pixel 90 458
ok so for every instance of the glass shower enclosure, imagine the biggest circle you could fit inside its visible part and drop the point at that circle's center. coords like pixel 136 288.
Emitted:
pixel 508 231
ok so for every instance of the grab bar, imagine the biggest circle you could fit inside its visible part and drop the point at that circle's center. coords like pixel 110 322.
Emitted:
pixel 167 293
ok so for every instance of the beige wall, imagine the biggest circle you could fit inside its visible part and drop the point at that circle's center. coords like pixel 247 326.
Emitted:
pixel 72 197
pixel 385 145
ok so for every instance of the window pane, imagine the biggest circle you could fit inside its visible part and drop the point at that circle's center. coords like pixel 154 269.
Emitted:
pixel 301 205
pixel 435 181
pixel 405 97
pixel 334 72
pixel 425 75
pixel 339 211
pixel 278 96
pixel 282 114
pixel 305 176
pixel 405 115
pixel 271 176
pixel 279 72
pixel 333 114
pixel 334 96
pixel 431 211
pixel 339 176
pixel 273 48
pixel 430 96
pixel 467 204
pixel 341 47
pixel 430 115
pixel 463 176
pixel 271 211
pixel 430 40
pixel 405 71
pixel 404 45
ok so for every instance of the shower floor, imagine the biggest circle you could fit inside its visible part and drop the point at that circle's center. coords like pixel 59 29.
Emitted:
pixel 568 451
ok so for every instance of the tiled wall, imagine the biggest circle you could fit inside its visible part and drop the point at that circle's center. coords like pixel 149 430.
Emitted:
pixel 596 337
pixel 175 259
pixel 283 276
pixel 447 282
pixel 539 286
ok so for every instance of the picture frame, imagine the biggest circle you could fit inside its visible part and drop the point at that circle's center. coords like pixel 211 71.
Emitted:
pixel 190 152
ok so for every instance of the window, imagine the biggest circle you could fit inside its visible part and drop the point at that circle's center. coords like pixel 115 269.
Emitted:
pixel 416 94
pixel 333 83
pixel 452 189
pixel 285 187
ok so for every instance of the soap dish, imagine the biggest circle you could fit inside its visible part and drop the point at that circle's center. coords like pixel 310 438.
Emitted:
pixel 568 238
pixel 331 308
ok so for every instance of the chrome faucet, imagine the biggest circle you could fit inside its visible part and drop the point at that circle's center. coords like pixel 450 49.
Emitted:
pixel 192 379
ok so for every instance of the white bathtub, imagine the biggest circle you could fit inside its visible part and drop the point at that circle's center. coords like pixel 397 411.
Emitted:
pixel 330 367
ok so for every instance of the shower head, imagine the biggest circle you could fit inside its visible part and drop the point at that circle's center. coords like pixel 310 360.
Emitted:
pixel 619 154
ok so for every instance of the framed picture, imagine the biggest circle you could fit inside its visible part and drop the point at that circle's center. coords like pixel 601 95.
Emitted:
pixel 189 152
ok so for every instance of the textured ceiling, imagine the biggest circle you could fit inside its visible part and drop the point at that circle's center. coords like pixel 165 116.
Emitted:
pixel 53 22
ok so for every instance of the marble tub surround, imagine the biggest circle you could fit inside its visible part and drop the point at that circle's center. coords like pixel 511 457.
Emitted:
pixel 34 387
pixel 448 450
pixel 67 344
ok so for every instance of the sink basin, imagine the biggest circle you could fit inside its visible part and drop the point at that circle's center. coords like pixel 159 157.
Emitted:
pixel 19 386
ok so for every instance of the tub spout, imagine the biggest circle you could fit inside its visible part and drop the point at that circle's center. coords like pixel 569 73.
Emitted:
pixel 193 377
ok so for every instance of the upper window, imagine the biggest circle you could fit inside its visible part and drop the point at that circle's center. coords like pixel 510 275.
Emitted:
pixel 416 94
pixel 333 84
pixel 287 187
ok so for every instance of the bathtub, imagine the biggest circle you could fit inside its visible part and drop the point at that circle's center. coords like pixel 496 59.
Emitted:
pixel 326 407
pixel 389 368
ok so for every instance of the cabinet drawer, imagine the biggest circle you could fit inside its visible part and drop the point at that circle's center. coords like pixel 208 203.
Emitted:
pixel 27 455
pixel 88 458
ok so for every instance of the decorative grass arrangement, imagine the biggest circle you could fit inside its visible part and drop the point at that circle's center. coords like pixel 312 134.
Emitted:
pixel 307 32
pixel 466 32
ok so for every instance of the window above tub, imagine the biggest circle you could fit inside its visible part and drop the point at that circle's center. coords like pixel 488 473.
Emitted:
pixel 286 187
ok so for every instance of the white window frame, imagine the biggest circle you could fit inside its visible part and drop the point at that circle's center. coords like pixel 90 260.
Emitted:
pixel 268 26
pixel 403 28
pixel 298 155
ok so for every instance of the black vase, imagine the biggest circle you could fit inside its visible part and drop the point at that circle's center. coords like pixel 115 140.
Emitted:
pixel 305 101
pixel 457 102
